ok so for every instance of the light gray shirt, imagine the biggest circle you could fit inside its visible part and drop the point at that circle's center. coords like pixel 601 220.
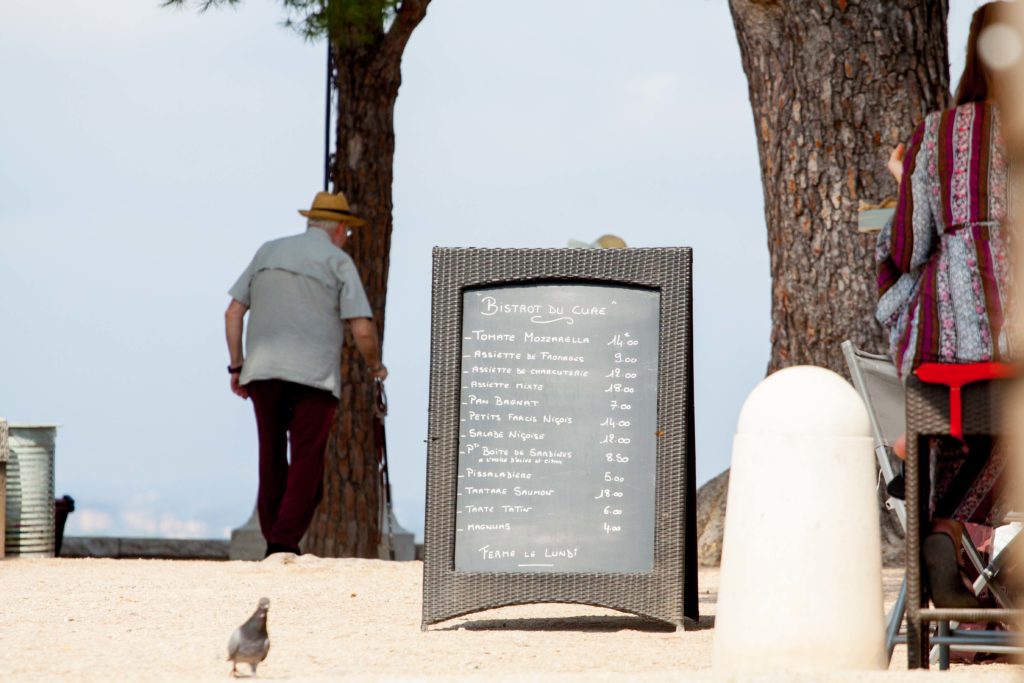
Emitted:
pixel 299 289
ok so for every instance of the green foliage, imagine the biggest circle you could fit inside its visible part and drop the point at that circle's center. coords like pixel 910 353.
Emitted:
pixel 343 20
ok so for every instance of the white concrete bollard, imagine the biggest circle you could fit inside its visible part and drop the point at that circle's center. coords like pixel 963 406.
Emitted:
pixel 801 577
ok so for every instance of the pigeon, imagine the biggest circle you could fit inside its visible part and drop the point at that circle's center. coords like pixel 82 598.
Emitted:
pixel 250 642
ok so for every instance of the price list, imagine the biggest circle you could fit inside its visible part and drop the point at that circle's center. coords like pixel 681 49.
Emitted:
pixel 557 429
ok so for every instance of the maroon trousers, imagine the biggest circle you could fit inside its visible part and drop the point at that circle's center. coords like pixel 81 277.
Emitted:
pixel 289 493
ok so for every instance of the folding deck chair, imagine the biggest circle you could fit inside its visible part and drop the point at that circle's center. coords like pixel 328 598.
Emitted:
pixel 877 382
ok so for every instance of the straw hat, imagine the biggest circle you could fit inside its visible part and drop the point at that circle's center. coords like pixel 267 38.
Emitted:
pixel 602 242
pixel 332 207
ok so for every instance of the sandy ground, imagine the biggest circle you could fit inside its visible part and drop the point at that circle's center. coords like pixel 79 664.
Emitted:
pixel 351 620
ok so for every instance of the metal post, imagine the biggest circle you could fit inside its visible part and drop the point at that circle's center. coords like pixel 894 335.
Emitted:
pixel 943 647
pixel 896 619
pixel 327 119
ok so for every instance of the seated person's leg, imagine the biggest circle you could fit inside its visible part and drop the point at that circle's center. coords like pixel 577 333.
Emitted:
pixel 966 487
pixel 941 551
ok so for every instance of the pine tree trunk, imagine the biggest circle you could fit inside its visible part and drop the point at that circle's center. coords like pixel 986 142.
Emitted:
pixel 834 85
pixel 367 77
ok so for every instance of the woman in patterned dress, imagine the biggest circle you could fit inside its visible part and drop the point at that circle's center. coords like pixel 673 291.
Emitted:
pixel 943 282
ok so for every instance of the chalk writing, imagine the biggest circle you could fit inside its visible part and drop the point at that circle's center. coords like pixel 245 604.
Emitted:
pixel 556 466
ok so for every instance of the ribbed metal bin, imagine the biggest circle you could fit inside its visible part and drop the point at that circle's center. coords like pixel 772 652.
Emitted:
pixel 30 491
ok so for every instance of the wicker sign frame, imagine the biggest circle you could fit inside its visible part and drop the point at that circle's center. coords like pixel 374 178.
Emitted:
pixel 668 592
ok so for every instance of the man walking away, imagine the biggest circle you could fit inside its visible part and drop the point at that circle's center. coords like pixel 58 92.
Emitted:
pixel 298 292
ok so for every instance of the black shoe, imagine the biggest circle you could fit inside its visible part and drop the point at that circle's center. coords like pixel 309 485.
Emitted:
pixel 947 588
pixel 281 548
pixel 897 487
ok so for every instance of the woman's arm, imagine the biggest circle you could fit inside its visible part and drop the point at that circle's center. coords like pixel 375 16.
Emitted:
pixel 895 164
pixel 908 239
pixel 908 236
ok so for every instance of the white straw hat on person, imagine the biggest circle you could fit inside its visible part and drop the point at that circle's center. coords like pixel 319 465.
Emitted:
pixel 602 242
pixel 332 207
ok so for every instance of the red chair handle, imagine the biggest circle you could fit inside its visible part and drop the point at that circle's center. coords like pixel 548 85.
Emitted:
pixel 958 375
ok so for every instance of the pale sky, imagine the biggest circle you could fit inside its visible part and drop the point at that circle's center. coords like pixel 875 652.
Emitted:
pixel 146 153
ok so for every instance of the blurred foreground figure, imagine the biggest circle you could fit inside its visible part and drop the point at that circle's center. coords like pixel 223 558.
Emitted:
pixel 298 291
pixel 1003 49
pixel 944 278
pixel 249 643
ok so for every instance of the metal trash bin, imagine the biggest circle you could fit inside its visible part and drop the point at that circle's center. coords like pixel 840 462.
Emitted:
pixel 29 528
pixel 3 485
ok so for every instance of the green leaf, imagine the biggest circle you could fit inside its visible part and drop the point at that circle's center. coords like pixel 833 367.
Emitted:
pixel 345 21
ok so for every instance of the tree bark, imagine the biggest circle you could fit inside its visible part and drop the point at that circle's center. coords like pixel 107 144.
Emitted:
pixel 834 85
pixel 366 78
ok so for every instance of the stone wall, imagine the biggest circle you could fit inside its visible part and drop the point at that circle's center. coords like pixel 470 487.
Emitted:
pixel 148 548
pixel 711 502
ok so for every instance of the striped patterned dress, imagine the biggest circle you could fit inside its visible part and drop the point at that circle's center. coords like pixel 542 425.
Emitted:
pixel 943 281
pixel 943 269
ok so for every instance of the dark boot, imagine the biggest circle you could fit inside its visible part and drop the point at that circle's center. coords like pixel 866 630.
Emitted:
pixel 897 487
pixel 940 561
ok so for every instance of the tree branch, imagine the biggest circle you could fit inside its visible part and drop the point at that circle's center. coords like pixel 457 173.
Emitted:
pixel 203 5
pixel 759 19
pixel 407 18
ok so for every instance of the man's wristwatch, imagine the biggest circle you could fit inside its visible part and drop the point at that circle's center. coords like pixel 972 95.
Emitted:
pixel 233 370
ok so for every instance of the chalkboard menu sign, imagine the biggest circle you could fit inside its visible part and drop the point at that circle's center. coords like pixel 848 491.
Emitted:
pixel 560 459
pixel 557 429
